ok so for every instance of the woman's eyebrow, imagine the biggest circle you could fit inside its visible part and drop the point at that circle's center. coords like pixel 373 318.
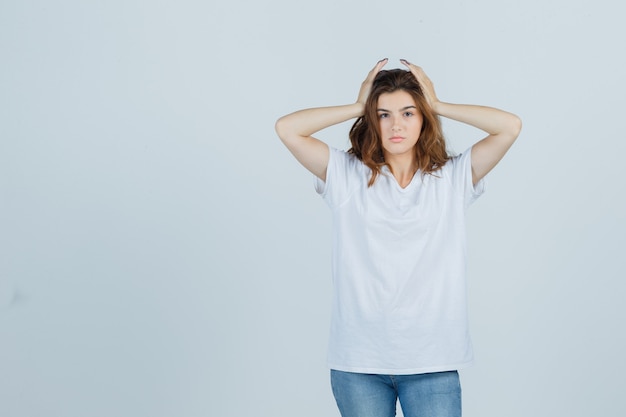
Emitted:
pixel 403 108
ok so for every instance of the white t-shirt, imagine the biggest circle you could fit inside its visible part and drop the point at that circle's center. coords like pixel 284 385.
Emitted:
pixel 398 264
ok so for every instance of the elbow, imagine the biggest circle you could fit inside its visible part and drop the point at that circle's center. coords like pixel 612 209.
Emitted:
pixel 515 126
pixel 278 126
pixel 517 123
pixel 281 128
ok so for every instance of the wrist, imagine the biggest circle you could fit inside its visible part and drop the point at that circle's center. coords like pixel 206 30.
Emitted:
pixel 438 107
pixel 359 109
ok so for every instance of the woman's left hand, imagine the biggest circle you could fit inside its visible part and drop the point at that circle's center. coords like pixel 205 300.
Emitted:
pixel 427 86
pixel 502 127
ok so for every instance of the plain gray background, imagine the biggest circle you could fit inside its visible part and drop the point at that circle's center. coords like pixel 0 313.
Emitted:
pixel 162 254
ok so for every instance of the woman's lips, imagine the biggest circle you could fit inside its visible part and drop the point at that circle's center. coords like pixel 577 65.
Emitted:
pixel 396 139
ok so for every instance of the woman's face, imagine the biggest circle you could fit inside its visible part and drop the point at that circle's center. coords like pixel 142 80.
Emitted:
pixel 400 123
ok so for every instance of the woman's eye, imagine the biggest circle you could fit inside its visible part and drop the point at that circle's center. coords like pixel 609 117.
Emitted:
pixel 383 115
pixel 408 114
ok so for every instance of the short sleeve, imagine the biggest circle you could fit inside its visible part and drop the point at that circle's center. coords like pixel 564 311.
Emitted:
pixel 462 178
pixel 342 174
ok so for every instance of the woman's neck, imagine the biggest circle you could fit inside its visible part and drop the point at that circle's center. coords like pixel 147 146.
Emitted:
pixel 403 168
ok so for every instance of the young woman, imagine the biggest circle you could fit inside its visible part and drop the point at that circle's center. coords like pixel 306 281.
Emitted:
pixel 399 322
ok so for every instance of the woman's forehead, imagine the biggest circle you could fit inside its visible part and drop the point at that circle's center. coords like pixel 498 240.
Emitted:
pixel 398 99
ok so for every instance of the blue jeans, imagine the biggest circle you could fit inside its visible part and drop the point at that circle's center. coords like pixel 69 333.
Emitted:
pixel 422 395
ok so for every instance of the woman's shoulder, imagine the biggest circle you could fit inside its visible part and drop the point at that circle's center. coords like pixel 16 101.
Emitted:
pixel 347 159
pixel 457 160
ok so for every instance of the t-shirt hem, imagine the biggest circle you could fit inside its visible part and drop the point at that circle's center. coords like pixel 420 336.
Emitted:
pixel 407 371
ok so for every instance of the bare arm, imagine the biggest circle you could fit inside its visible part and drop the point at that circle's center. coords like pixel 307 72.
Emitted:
pixel 502 127
pixel 296 129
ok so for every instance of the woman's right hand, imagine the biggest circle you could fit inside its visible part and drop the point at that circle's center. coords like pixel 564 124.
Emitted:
pixel 366 86
pixel 296 130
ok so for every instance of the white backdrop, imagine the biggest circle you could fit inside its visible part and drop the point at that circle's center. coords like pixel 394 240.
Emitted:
pixel 161 253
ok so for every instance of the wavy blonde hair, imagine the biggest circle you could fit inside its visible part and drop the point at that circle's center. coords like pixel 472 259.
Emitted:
pixel 430 149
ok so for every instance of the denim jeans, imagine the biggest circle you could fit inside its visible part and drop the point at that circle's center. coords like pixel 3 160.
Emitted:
pixel 422 395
